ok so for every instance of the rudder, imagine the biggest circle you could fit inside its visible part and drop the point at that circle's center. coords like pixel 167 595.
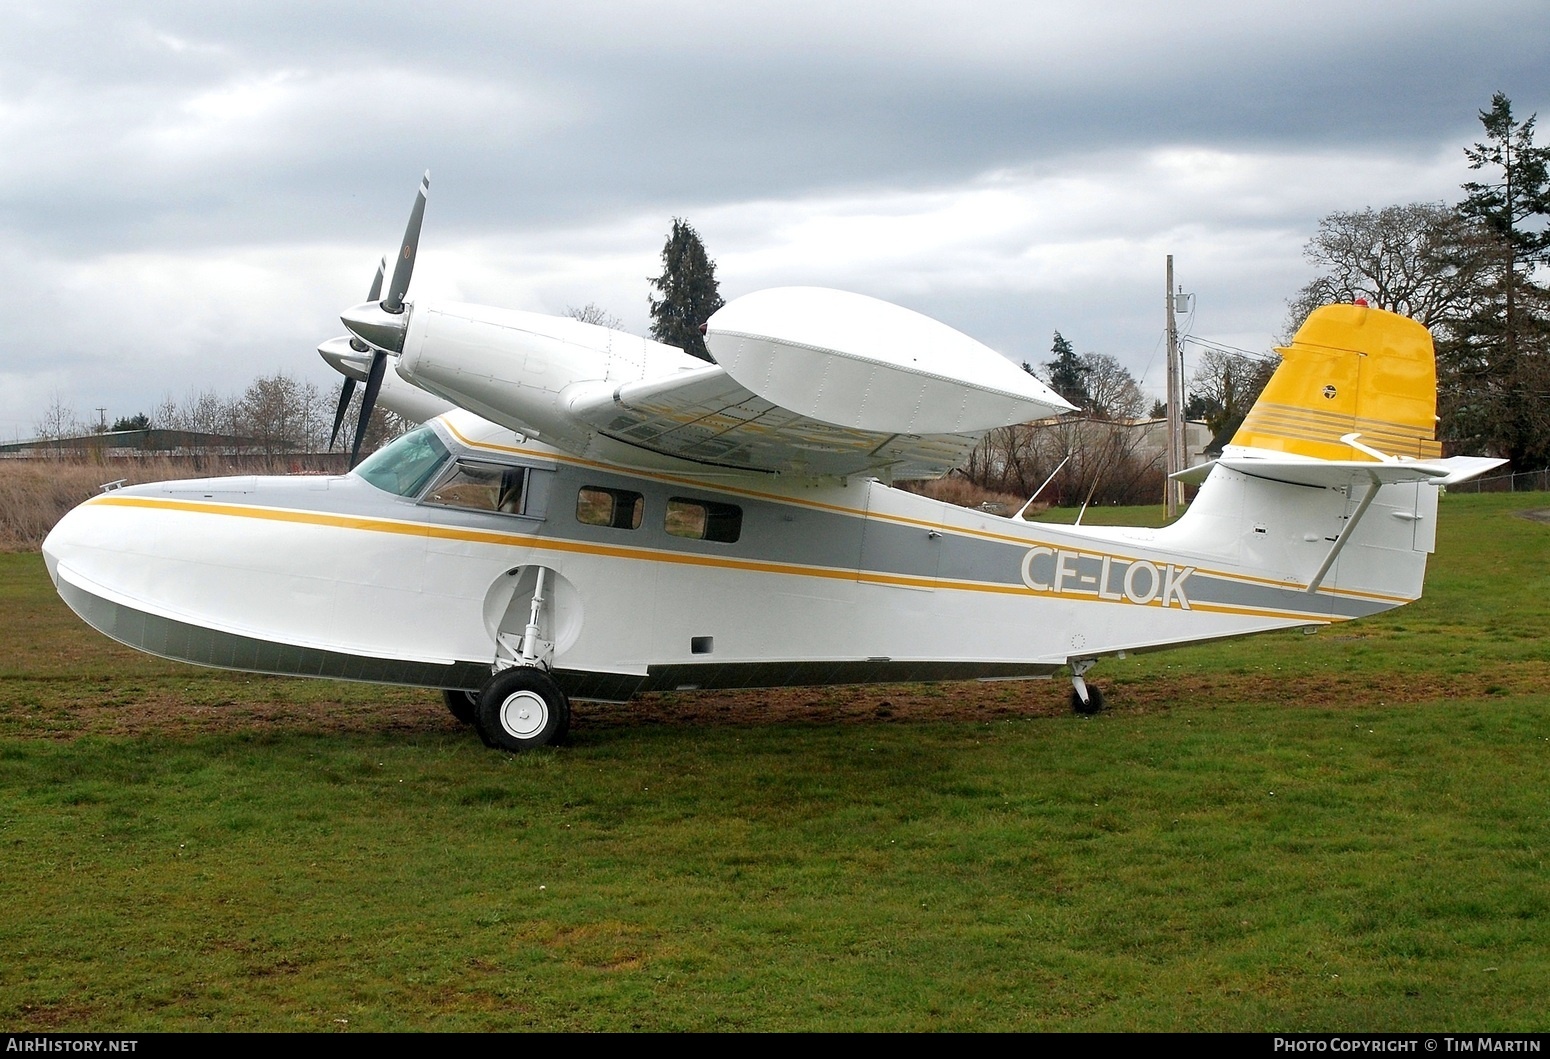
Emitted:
pixel 1350 369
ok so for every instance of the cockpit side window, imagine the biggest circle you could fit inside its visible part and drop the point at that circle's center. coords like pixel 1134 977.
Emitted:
pixel 482 487
pixel 406 465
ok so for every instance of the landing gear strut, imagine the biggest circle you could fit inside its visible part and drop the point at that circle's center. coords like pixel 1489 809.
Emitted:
pixel 1085 698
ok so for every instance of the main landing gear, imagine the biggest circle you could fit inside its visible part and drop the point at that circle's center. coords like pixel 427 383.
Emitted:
pixel 463 705
pixel 521 706
pixel 517 709
pixel 1085 697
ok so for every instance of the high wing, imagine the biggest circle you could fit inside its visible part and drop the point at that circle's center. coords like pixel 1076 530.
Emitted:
pixel 821 382
pixel 811 382
pixel 807 381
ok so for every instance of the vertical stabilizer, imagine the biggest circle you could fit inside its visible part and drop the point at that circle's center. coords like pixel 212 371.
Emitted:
pixel 1350 369
pixel 1331 481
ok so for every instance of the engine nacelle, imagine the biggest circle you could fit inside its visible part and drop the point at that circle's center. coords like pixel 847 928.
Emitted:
pixel 512 367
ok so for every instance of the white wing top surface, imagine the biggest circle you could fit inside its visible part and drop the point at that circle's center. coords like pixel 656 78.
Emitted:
pixel 865 364
pixel 810 381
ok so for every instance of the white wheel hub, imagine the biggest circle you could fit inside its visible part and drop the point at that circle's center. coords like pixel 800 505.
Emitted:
pixel 524 714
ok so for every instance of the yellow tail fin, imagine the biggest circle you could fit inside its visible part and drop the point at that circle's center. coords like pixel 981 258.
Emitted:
pixel 1350 369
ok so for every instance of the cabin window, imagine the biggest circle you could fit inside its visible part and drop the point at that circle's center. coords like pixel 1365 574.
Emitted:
pixel 615 508
pixel 407 464
pixel 482 487
pixel 703 520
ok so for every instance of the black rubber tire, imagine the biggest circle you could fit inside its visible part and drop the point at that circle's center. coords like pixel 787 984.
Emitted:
pixel 1094 701
pixel 522 708
pixel 464 705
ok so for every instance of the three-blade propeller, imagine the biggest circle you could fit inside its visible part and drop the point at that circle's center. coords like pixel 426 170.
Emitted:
pixel 377 327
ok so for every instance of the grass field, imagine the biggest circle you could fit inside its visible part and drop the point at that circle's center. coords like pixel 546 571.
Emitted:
pixel 1343 831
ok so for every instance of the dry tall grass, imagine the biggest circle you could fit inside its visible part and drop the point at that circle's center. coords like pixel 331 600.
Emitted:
pixel 956 489
pixel 35 494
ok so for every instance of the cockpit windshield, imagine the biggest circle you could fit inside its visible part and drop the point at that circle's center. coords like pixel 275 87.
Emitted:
pixel 407 464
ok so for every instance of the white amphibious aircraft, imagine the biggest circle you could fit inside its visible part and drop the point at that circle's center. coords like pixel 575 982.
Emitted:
pixel 589 514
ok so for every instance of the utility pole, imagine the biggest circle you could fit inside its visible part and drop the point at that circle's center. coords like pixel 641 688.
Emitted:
pixel 1173 491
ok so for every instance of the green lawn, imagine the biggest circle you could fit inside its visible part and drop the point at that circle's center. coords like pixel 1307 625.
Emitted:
pixel 1344 831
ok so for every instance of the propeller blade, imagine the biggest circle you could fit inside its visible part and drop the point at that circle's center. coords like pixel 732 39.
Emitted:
pixel 368 399
pixel 345 393
pixel 403 268
pixel 372 295
pixel 376 284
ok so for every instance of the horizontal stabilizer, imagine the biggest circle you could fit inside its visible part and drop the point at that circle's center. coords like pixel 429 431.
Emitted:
pixel 1340 473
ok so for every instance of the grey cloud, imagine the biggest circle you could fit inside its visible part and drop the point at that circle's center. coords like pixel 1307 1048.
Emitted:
pixel 201 131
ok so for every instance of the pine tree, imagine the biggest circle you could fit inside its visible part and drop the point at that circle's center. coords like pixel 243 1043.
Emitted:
pixel 1514 207
pixel 1067 374
pixel 1496 362
pixel 689 294
pixel 139 421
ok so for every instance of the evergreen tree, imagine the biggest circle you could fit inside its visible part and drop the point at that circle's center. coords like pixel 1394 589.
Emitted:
pixel 140 421
pixel 1514 208
pixel 1496 362
pixel 688 288
pixel 1067 375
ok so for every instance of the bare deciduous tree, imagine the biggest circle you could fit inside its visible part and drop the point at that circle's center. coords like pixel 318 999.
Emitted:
pixel 1108 458
pixel 592 313
pixel 1113 391
pixel 58 421
pixel 1421 260
pixel 1225 386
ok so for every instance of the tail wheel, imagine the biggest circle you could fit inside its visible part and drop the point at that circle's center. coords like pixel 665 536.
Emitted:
pixel 521 708
pixel 1092 704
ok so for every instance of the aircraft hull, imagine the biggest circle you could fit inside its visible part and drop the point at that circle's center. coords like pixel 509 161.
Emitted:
pixel 857 583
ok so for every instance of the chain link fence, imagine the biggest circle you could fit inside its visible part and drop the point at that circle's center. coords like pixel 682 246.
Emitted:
pixel 1524 482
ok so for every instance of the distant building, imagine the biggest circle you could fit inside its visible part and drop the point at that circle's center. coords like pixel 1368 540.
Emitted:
pixel 208 453
pixel 126 444
pixel 1154 438
pixel 1148 437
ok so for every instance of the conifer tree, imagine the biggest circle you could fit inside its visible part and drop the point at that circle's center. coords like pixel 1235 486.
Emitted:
pixel 688 289
pixel 1496 362
pixel 1067 374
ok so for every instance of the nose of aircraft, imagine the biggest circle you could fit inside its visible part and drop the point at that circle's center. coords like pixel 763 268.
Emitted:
pixel 307 576
pixel 78 553
pixel 130 554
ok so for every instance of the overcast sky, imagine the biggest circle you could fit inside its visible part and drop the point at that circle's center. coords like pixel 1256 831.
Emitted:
pixel 191 192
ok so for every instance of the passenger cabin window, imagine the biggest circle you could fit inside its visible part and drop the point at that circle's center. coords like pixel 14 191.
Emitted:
pixel 407 464
pixel 703 520
pixel 482 487
pixel 615 508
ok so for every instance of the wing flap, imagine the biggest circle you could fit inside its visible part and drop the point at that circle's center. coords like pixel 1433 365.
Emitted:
pixel 707 416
